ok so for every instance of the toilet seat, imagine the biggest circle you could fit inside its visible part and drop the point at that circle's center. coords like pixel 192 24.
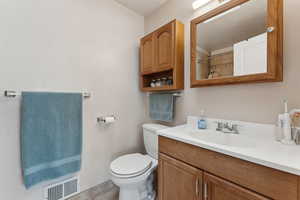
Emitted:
pixel 131 165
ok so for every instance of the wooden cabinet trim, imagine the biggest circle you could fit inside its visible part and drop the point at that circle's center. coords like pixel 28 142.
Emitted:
pixel 232 188
pixel 298 188
pixel 170 30
pixel 269 182
pixel 198 177
pixel 179 56
pixel 143 68
pixel 275 50
pixel 182 165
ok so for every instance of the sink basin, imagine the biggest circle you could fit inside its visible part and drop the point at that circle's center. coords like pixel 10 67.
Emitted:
pixel 221 138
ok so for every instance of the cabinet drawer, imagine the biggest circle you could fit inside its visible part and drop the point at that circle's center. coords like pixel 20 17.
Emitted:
pixel 272 183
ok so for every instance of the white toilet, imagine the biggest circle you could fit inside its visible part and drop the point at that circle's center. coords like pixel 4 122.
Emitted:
pixel 133 173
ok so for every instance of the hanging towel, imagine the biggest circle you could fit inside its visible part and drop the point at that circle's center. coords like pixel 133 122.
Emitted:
pixel 162 107
pixel 51 135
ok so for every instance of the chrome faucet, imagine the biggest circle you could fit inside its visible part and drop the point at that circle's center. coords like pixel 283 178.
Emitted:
pixel 220 126
pixel 227 128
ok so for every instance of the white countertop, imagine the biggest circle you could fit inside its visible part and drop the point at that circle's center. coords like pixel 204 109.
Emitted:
pixel 256 145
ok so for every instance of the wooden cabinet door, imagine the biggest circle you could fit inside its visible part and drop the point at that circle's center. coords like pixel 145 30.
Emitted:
pixel 164 47
pixel 178 181
pixel 147 54
pixel 218 189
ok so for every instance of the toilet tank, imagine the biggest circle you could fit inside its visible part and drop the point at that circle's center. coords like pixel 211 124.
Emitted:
pixel 151 138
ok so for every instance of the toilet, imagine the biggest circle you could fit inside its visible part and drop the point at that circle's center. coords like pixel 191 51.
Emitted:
pixel 133 173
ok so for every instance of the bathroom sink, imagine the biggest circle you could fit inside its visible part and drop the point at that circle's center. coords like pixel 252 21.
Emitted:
pixel 221 138
pixel 255 143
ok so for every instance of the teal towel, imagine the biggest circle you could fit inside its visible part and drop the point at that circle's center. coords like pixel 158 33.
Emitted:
pixel 51 135
pixel 162 107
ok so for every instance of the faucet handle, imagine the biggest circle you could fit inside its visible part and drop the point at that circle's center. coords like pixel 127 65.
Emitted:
pixel 220 125
pixel 235 128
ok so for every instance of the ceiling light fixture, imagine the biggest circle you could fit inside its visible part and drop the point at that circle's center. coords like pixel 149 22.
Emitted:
pixel 199 3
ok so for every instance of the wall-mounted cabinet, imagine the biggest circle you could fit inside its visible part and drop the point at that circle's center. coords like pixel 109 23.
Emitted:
pixel 162 58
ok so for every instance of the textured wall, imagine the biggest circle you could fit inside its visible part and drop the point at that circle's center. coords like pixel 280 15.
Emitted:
pixel 71 45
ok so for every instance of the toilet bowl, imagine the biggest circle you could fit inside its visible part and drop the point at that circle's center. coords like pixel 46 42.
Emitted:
pixel 133 173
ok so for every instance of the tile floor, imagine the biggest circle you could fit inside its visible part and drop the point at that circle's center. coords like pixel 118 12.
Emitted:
pixel 104 191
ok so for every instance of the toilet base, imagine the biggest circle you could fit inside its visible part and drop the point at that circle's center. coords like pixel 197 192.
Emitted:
pixel 143 191
pixel 137 188
pixel 126 194
pixel 133 194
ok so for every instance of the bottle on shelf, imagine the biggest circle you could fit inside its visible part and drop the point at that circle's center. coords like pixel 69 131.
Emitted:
pixel 158 83
pixel 153 84
pixel 170 81
pixel 164 81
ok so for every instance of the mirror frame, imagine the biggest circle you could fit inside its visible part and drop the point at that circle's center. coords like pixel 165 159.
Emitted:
pixel 275 47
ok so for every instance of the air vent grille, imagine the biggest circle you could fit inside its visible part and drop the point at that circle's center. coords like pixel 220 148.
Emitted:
pixel 70 188
pixel 62 190
pixel 55 193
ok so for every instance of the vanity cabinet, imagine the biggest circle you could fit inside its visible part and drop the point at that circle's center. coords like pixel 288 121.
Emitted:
pixel 220 189
pixel 162 56
pixel 178 181
pixel 222 177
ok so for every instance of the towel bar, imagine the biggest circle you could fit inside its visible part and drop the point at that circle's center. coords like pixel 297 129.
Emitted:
pixel 12 94
pixel 177 94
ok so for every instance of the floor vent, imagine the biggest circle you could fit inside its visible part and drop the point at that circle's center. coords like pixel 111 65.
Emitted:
pixel 62 190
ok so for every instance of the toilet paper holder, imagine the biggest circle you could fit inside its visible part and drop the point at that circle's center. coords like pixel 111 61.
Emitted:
pixel 106 119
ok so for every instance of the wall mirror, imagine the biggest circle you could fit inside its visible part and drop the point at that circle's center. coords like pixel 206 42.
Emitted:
pixel 238 42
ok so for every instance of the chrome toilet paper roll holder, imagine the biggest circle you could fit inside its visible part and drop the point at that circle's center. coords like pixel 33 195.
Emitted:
pixel 103 119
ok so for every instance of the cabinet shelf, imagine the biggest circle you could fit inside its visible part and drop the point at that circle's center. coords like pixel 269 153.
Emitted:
pixel 163 88
pixel 157 71
pixel 162 55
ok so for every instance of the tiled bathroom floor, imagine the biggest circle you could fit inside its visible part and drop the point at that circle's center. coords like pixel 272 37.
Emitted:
pixel 105 191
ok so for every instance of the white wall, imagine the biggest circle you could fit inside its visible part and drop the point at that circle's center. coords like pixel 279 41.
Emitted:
pixel 249 102
pixel 71 45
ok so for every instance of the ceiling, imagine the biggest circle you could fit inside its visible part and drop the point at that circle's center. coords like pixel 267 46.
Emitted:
pixel 248 21
pixel 143 7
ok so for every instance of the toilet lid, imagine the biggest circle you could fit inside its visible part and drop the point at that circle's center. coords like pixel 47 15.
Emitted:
pixel 131 165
